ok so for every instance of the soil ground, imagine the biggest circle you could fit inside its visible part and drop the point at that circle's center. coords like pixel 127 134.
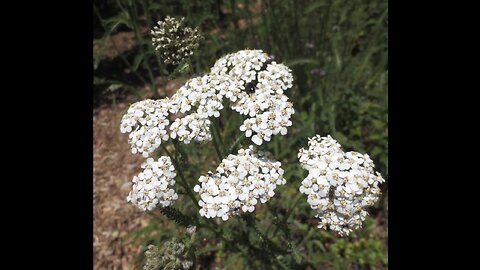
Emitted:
pixel 113 169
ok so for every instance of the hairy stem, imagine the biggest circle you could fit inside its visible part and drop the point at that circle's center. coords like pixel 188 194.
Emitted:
pixel 215 126
pixel 236 143
pixel 213 227
pixel 182 177
pixel 215 143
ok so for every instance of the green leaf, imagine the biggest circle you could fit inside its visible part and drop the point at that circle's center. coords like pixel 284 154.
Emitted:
pixel 183 68
pixel 296 255
pixel 96 62
pixel 136 62
pixel 319 244
pixel 282 262
pixel 154 6
pixel 177 216
pixel 340 137
pixel 302 61
pixel 114 22
pixel 314 6
pixel 103 81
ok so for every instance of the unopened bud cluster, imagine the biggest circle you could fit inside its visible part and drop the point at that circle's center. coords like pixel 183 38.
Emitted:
pixel 174 41
pixel 173 255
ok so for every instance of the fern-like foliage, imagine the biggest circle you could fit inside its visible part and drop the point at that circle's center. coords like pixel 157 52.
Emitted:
pixel 177 216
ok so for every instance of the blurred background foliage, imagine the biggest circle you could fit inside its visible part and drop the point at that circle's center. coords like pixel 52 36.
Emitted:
pixel 337 50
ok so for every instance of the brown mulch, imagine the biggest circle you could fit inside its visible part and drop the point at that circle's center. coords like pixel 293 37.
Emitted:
pixel 115 45
pixel 113 169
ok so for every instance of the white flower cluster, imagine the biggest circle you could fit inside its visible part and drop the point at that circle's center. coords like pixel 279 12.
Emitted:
pixel 260 93
pixel 339 185
pixel 152 187
pixel 148 124
pixel 146 121
pixel 242 65
pixel 254 85
pixel 204 96
pixel 240 182
pixel 174 41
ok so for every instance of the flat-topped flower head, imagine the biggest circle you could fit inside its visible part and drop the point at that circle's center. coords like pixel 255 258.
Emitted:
pixel 260 94
pixel 242 65
pixel 146 122
pixel 339 185
pixel 153 186
pixel 174 41
pixel 202 98
pixel 199 99
pixel 252 82
pixel 240 182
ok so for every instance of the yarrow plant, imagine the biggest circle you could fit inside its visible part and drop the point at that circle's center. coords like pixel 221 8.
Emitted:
pixel 339 185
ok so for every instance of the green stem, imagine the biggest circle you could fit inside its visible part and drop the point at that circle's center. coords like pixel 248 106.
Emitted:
pixel 179 148
pixel 189 190
pixel 307 237
pixel 130 67
pixel 215 126
pixel 191 70
pixel 289 212
pixel 149 20
pixel 215 143
pixel 212 226
pixel 208 226
pixel 182 177
pixel 274 215
pixel 236 143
